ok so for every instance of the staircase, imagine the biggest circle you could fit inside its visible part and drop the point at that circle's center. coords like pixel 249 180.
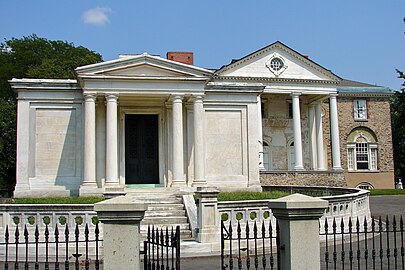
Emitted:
pixel 165 209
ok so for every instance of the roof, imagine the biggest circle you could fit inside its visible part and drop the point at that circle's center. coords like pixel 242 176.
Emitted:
pixel 347 87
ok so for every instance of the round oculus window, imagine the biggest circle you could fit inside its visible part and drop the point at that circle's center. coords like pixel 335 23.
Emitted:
pixel 276 64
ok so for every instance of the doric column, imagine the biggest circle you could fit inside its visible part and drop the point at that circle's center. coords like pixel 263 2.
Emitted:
pixel 297 131
pixel 199 155
pixel 319 137
pixel 89 180
pixel 111 142
pixel 259 120
pixel 177 125
pixel 334 127
pixel 100 140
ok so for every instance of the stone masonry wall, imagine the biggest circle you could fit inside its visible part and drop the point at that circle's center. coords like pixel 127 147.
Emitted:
pixel 307 178
pixel 379 121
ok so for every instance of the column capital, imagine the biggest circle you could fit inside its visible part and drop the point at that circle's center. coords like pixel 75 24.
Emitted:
pixel 296 94
pixel 90 97
pixel 176 98
pixel 111 97
pixel 333 95
pixel 197 98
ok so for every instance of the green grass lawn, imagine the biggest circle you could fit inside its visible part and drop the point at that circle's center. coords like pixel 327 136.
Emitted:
pixel 379 192
pixel 61 200
pixel 246 195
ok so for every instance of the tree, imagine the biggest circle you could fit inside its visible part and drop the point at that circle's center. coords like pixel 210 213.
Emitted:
pixel 398 129
pixel 31 57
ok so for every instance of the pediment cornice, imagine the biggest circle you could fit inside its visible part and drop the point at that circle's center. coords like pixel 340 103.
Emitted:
pixel 265 80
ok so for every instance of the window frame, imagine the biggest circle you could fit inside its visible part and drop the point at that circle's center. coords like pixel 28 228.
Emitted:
pixel 360 112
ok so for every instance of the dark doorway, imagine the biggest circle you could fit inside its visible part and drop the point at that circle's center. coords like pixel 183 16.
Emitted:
pixel 141 149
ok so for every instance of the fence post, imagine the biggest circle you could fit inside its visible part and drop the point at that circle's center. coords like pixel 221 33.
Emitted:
pixel 121 232
pixel 298 217
pixel 208 215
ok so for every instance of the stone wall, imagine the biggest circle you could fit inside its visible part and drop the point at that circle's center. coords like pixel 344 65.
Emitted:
pixel 306 178
pixel 379 121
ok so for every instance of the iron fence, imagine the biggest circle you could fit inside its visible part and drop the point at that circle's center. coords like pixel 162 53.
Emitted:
pixel 162 249
pixel 375 244
pixel 28 247
pixel 260 245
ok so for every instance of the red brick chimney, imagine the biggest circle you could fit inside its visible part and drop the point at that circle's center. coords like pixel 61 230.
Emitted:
pixel 181 57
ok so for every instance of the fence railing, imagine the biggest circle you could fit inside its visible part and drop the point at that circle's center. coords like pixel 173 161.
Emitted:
pixel 162 249
pixel 248 247
pixel 57 247
pixel 361 244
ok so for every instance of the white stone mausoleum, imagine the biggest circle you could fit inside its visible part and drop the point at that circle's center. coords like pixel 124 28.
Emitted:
pixel 146 121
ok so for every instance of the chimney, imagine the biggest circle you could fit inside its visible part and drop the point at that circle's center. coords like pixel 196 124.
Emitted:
pixel 181 57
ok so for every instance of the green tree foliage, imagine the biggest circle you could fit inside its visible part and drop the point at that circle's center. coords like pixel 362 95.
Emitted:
pixel 31 57
pixel 398 129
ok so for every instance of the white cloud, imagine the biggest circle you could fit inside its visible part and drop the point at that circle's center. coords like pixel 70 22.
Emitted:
pixel 97 16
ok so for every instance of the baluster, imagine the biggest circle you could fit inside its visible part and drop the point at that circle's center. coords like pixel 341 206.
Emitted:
pixel 326 227
pixel 334 226
pixel 239 247
pixel 350 243
pixel 264 246
pixel 26 239
pixel 16 235
pixel 342 232
pixel 381 243
pixel 46 247
pixel 394 229
pixel 358 242
pixel 67 247
pixel 271 244
pixel 401 227
pixel 388 242
pixel 97 234
pixel 86 238
pixel 36 247
pixel 6 239
pixel 247 245
pixel 56 233
pixel 365 243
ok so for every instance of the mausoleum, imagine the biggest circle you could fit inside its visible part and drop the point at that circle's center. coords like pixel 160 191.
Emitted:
pixel 273 117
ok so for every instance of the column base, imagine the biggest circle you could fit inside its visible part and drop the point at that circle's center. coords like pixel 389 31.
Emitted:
pixel 300 168
pixel 338 169
pixel 199 182
pixel 90 190
pixel 178 183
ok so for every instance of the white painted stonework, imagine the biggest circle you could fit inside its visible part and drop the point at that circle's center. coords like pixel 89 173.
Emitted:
pixel 190 126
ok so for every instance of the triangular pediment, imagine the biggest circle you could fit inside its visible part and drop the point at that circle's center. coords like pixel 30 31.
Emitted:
pixel 276 61
pixel 142 66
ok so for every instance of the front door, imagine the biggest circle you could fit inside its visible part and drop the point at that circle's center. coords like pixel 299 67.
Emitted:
pixel 141 149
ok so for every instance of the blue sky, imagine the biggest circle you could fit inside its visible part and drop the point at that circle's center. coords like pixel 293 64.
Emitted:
pixel 356 39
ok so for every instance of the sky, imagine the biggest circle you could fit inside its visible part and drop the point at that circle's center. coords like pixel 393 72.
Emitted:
pixel 361 40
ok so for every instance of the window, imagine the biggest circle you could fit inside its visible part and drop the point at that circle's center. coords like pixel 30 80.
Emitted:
pixel 276 64
pixel 362 150
pixel 266 157
pixel 291 157
pixel 360 109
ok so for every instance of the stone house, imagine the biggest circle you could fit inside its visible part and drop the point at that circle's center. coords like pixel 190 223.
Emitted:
pixel 273 117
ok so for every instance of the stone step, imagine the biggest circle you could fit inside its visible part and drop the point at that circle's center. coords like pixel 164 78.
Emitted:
pixel 176 206
pixel 164 220
pixel 165 212
pixel 183 226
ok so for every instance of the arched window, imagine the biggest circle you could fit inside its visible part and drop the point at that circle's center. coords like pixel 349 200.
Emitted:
pixel 266 157
pixel 362 150
pixel 291 156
